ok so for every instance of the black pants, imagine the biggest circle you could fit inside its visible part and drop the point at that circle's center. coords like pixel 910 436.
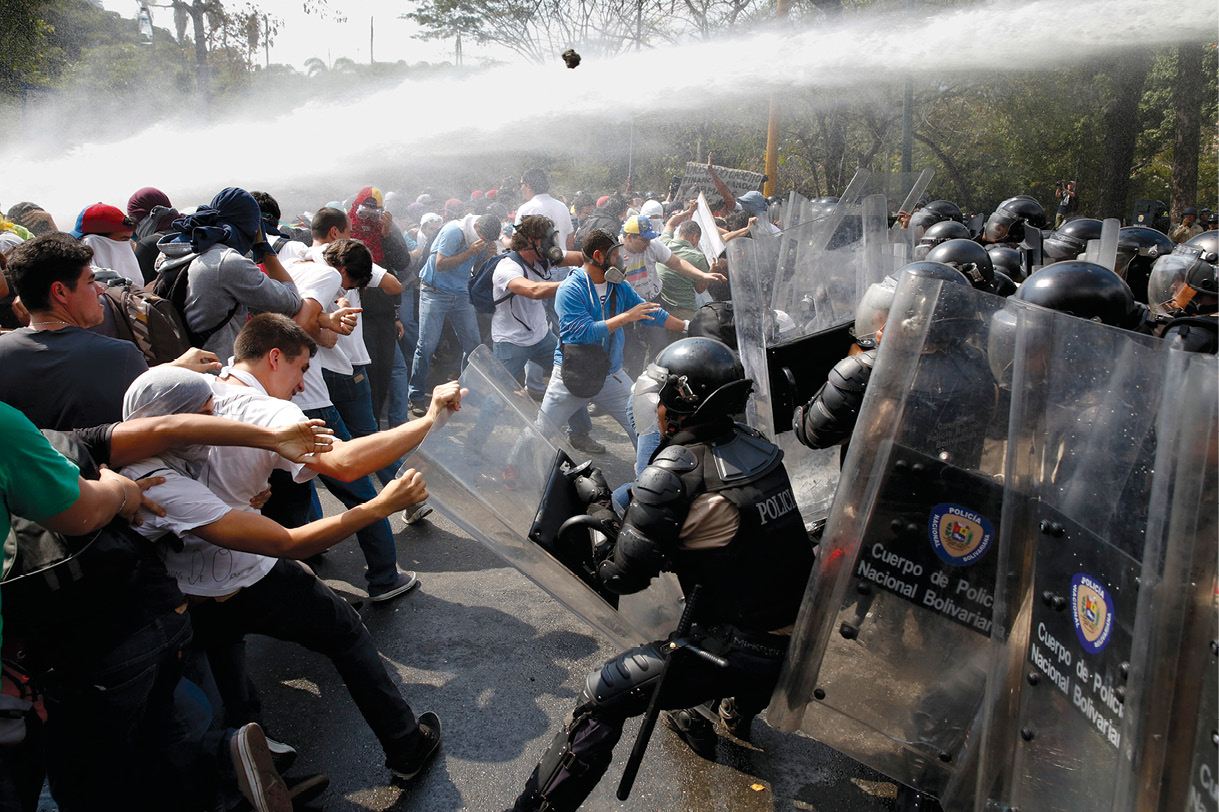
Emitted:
pixel 583 750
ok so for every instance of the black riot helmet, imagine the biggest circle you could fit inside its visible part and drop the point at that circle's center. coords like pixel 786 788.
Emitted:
pixel 1007 222
pixel 967 257
pixel 1071 239
pixel 925 219
pixel 1138 247
pixel 941 232
pixel 1083 289
pixel 1184 282
pixel 701 382
pixel 946 209
pixel 1004 285
pixel 1027 209
pixel 1007 260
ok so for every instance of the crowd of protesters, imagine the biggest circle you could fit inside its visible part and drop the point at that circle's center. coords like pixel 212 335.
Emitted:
pixel 176 379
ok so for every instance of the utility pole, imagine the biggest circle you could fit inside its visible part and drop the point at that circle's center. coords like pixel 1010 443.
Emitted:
pixel 772 129
pixel 372 31
pixel 266 41
pixel 907 113
pixel 458 51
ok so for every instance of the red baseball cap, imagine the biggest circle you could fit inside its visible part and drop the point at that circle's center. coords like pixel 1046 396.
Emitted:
pixel 102 219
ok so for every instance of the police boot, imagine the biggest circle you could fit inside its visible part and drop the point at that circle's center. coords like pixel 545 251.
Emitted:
pixel 571 766
pixel 736 722
pixel 695 730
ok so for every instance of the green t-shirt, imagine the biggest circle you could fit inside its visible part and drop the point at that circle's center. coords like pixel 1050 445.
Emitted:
pixel 678 290
pixel 36 481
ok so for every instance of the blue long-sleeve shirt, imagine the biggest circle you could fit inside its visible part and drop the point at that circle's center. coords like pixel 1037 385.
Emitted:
pixel 582 318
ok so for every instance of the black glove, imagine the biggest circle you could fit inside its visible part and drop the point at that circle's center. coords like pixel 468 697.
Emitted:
pixel 592 488
pixel 603 548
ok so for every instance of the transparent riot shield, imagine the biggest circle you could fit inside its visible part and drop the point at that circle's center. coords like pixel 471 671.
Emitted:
pixel 793 305
pixel 890 654
pixel 1085 422
pixel 487 469
pixel 1172 695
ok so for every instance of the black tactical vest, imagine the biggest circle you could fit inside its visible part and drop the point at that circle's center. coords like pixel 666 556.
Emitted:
pixel 756 582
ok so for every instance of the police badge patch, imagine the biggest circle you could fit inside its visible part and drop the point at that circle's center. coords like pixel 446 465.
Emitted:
pixel 1093 612
pixel 960 536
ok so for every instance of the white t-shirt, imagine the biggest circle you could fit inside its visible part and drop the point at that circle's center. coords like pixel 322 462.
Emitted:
pixel 547 206
pixel 353 345
pixel 292 251
pixel 322 284
pixel 200 567
pixel 641 269
pixel 518 320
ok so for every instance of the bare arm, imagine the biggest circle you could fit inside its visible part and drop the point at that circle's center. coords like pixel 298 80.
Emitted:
pixel 390 284
pixel 364 455
pixel 100 501
pixel 134 440
pixel 444 263
pixel 532 290
pixel 684 268
pixel 255 533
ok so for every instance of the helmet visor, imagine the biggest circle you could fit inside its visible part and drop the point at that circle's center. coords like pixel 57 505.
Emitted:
pixel 1167 292
pixel 872 312
pixel 998 226
pixel 645 396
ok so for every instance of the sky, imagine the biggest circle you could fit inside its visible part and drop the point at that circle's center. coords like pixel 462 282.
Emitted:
pixel 307 35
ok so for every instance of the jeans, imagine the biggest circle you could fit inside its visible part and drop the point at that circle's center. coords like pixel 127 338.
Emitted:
pixel 434 306
pixel 399 385
pixel 352 397
pixel 398 411
pixel 108 728
pixel 291 604
pixel 615 397
pixel 539 356
pixel 377 539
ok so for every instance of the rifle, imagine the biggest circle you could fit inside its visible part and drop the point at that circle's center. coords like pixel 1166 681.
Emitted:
pixel 678 641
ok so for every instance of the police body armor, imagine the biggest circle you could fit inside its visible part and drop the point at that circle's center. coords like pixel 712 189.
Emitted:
pixel 757 580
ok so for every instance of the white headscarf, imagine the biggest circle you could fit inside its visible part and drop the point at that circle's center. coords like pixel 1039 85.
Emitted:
pixel 165 390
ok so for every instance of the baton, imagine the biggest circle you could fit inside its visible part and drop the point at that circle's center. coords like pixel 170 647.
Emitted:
pixel 677 642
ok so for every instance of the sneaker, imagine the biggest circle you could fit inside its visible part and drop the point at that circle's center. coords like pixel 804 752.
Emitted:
pixel 585 443
pixel 283 756
pixel 509 478
pixel 404 769
pixel 405 582
pixel 735 722
pixel 301 791
pixel 416 512
pixel 257 778
pixel 695 730
pixel 418 411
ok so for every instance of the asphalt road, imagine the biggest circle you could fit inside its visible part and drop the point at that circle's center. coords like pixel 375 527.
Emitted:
pixel 502 663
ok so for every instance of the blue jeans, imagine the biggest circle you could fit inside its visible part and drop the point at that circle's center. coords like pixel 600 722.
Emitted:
pixel 400 378
pixel 539 356
pixel 434 306
pixel 398 411
pixel 291 604
pixel 377 539
pixel 615 397
pixel 352 397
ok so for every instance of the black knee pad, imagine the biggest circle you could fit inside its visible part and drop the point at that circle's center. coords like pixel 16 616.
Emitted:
pixel 625 680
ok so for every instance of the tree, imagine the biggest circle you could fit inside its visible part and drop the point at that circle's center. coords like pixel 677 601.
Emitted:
pixel 1187 111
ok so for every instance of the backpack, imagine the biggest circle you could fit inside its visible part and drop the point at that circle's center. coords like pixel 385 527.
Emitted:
pixel 146 320
pixel 52 578
pixel 481 284
pixel 171 284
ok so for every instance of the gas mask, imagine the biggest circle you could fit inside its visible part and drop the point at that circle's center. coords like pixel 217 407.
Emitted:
pixel 550 250
pixel 613 273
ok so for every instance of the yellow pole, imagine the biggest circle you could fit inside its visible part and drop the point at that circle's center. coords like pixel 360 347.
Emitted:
pixel 772 129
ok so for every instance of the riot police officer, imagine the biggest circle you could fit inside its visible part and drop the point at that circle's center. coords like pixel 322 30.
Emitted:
pixel 715 506
pixel 1184 288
